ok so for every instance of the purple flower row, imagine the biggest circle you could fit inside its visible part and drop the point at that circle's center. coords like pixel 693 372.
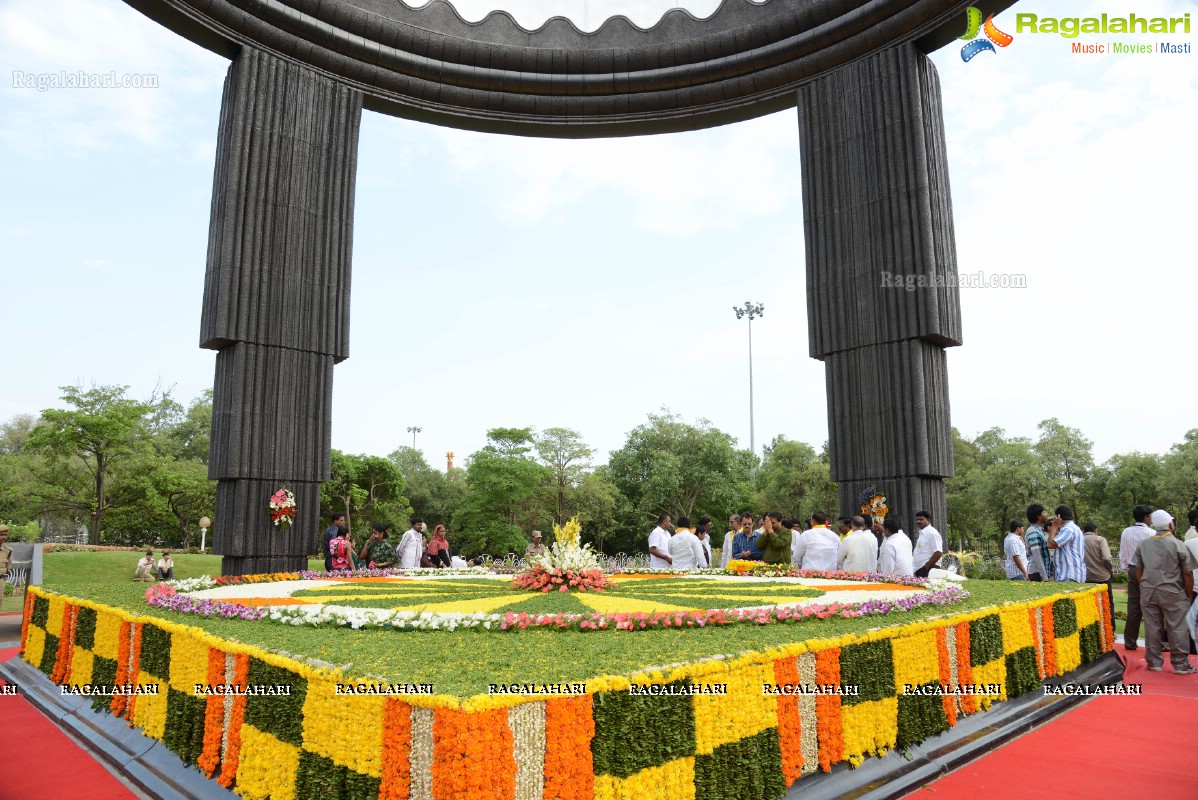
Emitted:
pixel 206 607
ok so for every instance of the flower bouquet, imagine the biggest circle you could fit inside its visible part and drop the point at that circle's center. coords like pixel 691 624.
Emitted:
pixel 872 503
pixel 282 508
pixel 567 566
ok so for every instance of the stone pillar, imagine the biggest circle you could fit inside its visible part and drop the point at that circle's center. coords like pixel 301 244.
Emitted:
pixel 877 215
pixel 276 300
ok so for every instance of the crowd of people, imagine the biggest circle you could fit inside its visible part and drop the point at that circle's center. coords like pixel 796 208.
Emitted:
pixel 859 544
pixel 414 550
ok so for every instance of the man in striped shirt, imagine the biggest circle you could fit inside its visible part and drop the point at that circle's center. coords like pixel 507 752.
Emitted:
pixel 1067 540
pixel 1039 563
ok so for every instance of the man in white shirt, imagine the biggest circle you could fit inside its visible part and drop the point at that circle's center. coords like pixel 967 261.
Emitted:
pixel 816 548
pixel 1129 542
pixel 928 547
pixel 1016 553
pixel 411 545
pixel 895 556
pixel 686 552
pixel 859 549
pixel 726 550
pixel 1192 533
pixel 659 544
pixel 166 568
pixel 144 571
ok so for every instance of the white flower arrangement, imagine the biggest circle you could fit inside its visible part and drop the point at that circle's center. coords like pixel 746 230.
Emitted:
pixel 184 585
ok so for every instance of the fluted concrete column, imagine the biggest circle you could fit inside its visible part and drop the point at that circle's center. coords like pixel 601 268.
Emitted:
pixel 877 209
pixel 276 300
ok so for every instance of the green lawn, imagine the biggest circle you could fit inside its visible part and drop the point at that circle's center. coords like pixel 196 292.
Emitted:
pixel 464 662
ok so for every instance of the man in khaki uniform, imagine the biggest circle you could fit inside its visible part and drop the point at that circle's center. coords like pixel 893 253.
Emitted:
pixel 5 557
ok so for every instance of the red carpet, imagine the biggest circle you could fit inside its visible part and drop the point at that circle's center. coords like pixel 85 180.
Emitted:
pixel 42 762
pixel 1132 748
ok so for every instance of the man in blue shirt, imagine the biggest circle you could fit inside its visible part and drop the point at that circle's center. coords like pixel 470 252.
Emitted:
pixel 1069 543
pixel 745 545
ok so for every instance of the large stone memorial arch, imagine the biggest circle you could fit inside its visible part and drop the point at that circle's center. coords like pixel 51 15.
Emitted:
pixel 875 198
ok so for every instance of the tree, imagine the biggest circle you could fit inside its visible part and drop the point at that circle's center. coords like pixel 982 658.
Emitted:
pixel 966 499
pixel 670 467
pixel 434 496
pixel 1067 458
pixel 1013 477
pixel 15 433
pixel 564 452
pixel 598 504
pixel 794 481
pixel 363 484
pixel 102 429
pixel 1179 473
pixel 502 483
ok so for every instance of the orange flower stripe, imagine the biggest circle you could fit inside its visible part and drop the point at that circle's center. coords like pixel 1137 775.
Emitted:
pixel 461 740
pixel 969 703
pixel 62 657
pixel 946 675
pixel 214 715
pixel 1108 619
pixel 1050 641
pixel 569 729
pixel 228 770
pixel 117 704
pixel 1037 636
pixel 27 618
pixel 827 709
pixel 396 783
pixel 134 669
pixel 790 724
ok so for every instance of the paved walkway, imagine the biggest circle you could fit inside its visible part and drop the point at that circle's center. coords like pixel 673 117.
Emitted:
pixel 1133 748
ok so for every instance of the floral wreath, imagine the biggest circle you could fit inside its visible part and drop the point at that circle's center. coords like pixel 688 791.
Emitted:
pixel 873 503
pixel 282 508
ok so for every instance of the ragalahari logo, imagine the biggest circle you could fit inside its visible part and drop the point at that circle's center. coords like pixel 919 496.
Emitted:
pixel 993 35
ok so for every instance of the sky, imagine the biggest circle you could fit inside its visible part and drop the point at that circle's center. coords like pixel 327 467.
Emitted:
pixel 506 282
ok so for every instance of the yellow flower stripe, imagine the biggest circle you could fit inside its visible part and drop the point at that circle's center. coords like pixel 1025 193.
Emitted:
pixel 606 604
pixel 672 781
pixel 1069 655
pixel 1016 630
pixel 149 712
pixel 350 734
pixel 82 663
pixel 58 606
pixel 869 728
pixel 916 659
pixel 745 711
pixel 480 606
pixel 268 767
pixel 189 662
pixel 35 645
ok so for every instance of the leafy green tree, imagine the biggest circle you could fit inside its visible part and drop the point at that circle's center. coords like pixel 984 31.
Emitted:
pixel 598 503
pixel 667 466
pixel 363 486
pixel 1067 458
pixel 503 482
pixel 1013 478
pixel 565 453
pixel 794 481
pixel 1179 473
pixel 967 508
pixel 15 433
pixel 102 429
pixel 434 495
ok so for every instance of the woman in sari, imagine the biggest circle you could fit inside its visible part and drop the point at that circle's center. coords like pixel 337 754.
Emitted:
pixel 438 548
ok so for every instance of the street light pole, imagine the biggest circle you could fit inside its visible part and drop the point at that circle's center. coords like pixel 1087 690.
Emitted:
pixel 414 431
pixel 752 311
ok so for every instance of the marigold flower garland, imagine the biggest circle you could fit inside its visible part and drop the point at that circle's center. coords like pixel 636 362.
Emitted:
pixel 62 657
pixel 569 729
pixel 790 724
pixel 969 703
pixel 228 768
pixel 1050 640
pixel 396 781
pixel 117 704
pixel 214 715
pixel 946 675
pixel 827 709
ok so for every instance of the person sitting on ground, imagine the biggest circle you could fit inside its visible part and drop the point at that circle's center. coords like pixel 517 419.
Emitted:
pixel 145 568
pixel 426 560
pixel 686 552
pixel 456 561
pixel 377 552
pixel 895 556
pixel 166 567
pixel 816 548
pixel 858 552
pixel 775 539
pixel 1164 570
pixel 1016 552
